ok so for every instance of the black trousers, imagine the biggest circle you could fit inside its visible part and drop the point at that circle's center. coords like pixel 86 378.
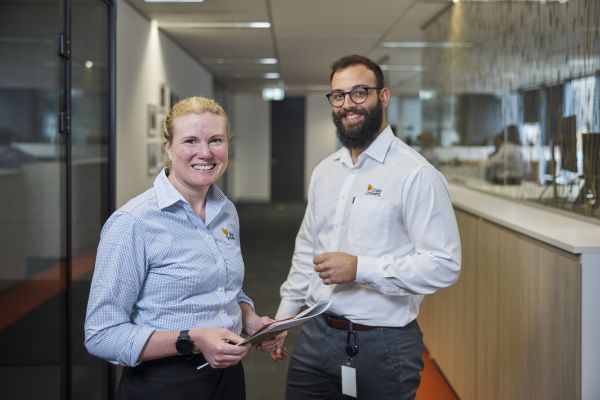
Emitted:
pixel 176 378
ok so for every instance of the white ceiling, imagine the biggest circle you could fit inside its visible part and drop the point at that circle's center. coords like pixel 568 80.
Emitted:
pixel 305 36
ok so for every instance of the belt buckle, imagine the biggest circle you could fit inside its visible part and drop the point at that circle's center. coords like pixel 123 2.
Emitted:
pixel 339 322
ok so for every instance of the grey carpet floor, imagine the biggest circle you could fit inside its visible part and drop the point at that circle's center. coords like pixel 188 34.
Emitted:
pixel 267 234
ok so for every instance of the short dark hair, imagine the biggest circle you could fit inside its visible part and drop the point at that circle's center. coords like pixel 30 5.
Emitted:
pixel 512 134
pixel 355 59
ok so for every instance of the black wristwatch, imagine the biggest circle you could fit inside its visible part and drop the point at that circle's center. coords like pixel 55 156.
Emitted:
pixel 185 344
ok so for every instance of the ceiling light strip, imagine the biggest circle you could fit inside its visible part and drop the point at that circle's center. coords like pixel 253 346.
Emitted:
pixel 213 25
pixel 423 45
pixel 260 61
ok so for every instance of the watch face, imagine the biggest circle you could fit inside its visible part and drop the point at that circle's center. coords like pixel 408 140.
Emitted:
pixel 184 345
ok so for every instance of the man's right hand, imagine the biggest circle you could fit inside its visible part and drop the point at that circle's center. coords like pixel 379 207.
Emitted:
pixel 218 346
pixel 280 351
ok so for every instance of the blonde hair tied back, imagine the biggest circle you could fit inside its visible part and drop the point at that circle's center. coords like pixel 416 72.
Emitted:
pixel 192 105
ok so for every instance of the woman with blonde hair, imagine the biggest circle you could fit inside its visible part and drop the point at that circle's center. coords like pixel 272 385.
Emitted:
pixel 167 294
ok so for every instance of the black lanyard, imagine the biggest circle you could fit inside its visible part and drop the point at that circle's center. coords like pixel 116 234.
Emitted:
pixel 351 341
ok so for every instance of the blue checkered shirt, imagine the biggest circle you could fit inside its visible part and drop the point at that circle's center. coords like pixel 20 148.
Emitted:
pixel 160 268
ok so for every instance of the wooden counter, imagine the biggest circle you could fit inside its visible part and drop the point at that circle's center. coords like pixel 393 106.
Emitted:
pixel 523 320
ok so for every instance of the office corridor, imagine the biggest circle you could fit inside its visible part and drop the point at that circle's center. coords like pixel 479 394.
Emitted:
pixel 267 234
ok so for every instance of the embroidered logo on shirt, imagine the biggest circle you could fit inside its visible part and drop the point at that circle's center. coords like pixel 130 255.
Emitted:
pixel 228 234
pixel 373 191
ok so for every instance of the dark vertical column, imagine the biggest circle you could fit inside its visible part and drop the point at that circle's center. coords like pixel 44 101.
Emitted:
pixel 66 264
pixel 112 148
pixel 287 149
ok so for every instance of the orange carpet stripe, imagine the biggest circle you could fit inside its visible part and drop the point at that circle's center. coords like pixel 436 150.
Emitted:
pixel 20 299
pixel 433 383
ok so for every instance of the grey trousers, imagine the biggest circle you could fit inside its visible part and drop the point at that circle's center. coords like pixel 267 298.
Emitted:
pixel 387 365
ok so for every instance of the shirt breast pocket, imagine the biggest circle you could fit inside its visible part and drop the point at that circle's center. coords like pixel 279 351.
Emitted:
pixel 369 222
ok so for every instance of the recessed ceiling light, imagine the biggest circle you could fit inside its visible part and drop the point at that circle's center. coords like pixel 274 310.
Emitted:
pixel 271 75
pixel 422 45
pixel 193 25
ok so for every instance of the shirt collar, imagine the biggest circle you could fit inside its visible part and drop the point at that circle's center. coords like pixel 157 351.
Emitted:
pixel 380 146
pixel 376 150
pixel 167 195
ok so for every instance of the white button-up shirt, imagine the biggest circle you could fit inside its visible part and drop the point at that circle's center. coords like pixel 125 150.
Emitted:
pixel 393 211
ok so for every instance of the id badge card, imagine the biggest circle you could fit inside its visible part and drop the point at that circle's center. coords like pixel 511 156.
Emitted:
pixel 348 381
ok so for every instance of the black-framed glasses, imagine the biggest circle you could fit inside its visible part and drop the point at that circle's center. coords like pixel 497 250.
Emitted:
pixel 358 95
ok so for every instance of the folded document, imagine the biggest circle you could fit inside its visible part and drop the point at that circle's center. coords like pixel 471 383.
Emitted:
pixel 270 330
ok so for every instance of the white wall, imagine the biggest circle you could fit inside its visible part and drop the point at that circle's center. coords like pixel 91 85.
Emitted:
pixel 250 153
pixel 320 139
pixel 145 58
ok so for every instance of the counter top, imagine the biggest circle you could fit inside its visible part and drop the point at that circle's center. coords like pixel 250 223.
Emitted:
pixel 569 234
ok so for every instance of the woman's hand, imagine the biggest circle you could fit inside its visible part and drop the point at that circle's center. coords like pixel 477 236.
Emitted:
pixel 218 346
pixel 267 346
pixel 253 323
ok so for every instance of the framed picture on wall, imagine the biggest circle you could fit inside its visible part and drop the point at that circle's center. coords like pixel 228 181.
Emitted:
pixel 161 113
pixel 173 99
pixel 153 124
pixel 153 158
pixel 163 155
pixel 164 95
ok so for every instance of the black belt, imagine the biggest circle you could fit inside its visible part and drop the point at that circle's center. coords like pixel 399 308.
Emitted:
pixel 195 359
pixel 344 324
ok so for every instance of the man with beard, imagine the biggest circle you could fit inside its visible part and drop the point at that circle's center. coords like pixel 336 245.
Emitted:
pixel 379 232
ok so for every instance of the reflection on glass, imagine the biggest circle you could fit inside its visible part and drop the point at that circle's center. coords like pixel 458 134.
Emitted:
pixel 517 114
pixel 31 213
pixel 506 165
pixel 89 167
pixel 36 360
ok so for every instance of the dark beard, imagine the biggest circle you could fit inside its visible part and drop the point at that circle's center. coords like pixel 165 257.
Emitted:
pixel 359 136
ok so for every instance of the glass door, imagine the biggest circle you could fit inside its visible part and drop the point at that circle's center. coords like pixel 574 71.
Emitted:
pixel 32 190
pixel 54 192
pixel 89 179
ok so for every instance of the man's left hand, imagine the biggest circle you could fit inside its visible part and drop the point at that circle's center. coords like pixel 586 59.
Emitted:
pixel 336 267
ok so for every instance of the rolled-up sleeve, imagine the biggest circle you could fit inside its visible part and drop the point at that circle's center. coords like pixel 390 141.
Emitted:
pixel 118 278
pixel 243 298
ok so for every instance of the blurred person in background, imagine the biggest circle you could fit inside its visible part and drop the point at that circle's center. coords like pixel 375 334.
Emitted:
pixel 506 165
pixel 427 143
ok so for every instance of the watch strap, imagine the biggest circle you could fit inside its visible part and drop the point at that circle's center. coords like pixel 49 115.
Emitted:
pixel 184 334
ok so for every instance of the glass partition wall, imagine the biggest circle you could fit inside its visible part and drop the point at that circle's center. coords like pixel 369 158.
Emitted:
pixel 55 113
pixel 512 98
